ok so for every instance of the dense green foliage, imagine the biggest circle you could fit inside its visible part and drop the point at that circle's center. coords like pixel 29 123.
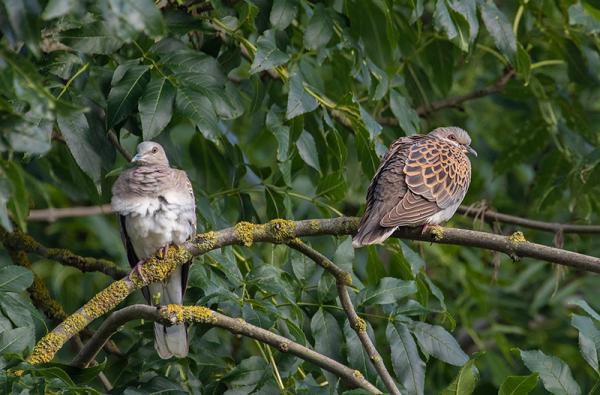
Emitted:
pixel 280 109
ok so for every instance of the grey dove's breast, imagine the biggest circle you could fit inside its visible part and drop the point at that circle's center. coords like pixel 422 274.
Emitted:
pixel 153 222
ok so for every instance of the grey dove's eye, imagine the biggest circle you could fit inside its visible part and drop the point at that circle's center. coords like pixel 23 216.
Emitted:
pixel 154 150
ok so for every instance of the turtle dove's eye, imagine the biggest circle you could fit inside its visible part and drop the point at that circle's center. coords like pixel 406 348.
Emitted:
pixel 452 137
pixel 154 150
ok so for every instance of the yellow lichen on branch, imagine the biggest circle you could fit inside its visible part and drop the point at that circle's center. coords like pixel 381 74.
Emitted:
pixel 177 314
pixel 517 237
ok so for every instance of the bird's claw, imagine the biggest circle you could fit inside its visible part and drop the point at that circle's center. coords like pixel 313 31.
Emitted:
pixel 138 271
pixel 162 251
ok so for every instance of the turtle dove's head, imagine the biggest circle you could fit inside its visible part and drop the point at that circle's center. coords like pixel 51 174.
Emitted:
pixel 455 135
pixel 150 153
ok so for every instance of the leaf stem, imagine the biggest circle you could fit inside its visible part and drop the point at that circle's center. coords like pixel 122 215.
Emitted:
pixel 81 70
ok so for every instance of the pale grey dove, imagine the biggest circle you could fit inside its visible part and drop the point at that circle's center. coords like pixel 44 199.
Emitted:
pixel 156 208
pixel 421 181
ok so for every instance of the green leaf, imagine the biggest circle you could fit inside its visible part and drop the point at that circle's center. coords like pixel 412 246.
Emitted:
pixel 440 60
pixel 327 335
pixel 15 278
pixel 299 101
pixel 82 142
pixel 319 29
pixel 407 117
pixel 24 18
pixel 555 374
pixel 579 16
pixel 125 91
pixel 5 193
pixel 307 148
pixel 280 131
pixel 91 39
pixel 16 341
pixel 519 385
pixel 58 8
pixel 199 110
pixel 589 339
pixel 19 202
pixel 587 308
pixel 358 358
pixel 523 63
pixel 436 341
pixel 268 56
pixel 126 18
pixel 468 9
pixel 389 290
pixel 465 382
pixel 371 25
pixel 407 364
pixel 453 23
pixel 499 27
pixel 283 13
pixel 156 107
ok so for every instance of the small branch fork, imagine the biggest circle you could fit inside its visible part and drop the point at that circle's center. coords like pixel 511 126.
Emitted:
pixel 343 279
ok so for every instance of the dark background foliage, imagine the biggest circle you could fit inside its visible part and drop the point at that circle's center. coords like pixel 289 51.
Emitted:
pixel 281 109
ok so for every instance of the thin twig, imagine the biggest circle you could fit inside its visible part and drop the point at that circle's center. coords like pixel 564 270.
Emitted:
pixel 492 216
pixel 53 214
pixel 114 140
pixel 456 101
pixel 359 325
pixel 173 314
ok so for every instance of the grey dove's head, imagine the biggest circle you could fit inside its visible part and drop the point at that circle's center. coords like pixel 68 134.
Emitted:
pixel 150 153
pixel 456 136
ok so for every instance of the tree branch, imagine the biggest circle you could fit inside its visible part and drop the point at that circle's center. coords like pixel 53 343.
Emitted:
pixel 114 140
pixel 279 231
pixel 359 325
pixel 456 101
pixel 479 211
pixel 20 241
pixel 176 314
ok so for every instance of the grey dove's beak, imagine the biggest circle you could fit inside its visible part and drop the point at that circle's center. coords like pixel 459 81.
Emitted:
pixel 471 150
pixel 136 158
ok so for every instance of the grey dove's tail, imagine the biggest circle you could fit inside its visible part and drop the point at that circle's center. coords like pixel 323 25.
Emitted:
pixel 172 340
pixel 370 232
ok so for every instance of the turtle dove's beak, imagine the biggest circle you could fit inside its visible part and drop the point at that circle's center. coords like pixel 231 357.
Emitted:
pixel 136 158
pixel 471 150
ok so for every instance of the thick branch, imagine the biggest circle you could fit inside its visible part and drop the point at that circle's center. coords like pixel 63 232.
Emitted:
pixel 175 314
pixel 20 241
pixel 359 325
pixel 156 269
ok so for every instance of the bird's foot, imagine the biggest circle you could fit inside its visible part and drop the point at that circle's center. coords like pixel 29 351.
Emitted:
pixel 424 230
pixel 162 251
pixel 137 269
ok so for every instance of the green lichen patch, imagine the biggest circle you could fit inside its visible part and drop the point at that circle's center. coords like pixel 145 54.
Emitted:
pixel 284 346
pixel 107 299
pixel 347 279
pixel 244 232
pixel 46 348
pixel 314 225
pixel 517 237
pixel 281 230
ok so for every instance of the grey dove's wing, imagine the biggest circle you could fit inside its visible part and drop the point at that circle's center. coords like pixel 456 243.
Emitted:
pixel 132 258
